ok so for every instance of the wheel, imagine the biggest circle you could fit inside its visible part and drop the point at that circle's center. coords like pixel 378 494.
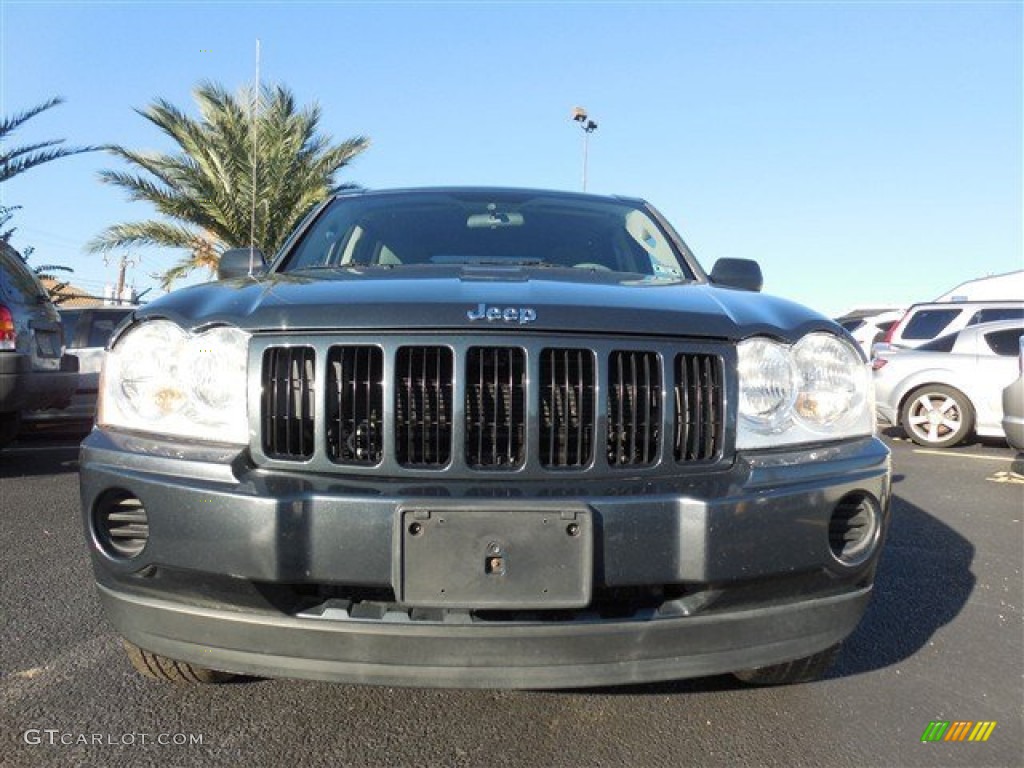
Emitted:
pixel 937 416
pixel 9 425
pixel 804 670
pixel 168 670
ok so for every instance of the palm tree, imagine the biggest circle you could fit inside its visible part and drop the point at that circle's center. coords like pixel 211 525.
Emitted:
pixel 205 191
pixel 20 159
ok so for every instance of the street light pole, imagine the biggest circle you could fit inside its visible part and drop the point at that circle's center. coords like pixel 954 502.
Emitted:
pixel 579 115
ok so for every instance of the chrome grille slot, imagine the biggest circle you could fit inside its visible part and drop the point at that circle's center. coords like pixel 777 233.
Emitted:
pixel 354 407
pixel 634 408
pixel 495 407
pixel 567 386
pixel 423 406
pixel 287 409
pixel 699 418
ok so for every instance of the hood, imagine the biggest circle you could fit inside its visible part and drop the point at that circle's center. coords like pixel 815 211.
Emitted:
pixel 464 298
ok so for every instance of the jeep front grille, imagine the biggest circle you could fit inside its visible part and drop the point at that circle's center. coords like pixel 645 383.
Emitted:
pixel 355 405
pixel 634 408
pixel 567 415
pixel 699 418
pixel 495 407
pixel 389 405
pixel 288 405
pixel 423 406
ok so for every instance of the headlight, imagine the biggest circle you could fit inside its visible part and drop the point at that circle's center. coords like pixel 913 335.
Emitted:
pixel 834 383
pixel 158 378
pixel 768 384
pixel 817 389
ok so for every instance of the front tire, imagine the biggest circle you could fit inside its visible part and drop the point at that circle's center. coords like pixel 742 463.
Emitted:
pixel 937 416
pixel 805 670
pixel 158 667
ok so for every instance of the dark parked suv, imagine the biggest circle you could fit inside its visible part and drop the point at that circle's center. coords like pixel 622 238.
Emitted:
pixel 483 437
pixel 34 372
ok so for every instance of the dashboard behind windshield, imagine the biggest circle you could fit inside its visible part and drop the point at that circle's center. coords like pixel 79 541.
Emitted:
pixel 489 228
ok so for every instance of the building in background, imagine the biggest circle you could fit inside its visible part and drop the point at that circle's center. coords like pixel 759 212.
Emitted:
pixel 1005 287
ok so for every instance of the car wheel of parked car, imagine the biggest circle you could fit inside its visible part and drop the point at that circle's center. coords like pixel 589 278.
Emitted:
pixel 9 424
pixel 937 416
pixel 804 670
pixel 158 667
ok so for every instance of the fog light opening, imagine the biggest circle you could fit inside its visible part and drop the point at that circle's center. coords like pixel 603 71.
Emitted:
pixel 853 529
pixel 121 525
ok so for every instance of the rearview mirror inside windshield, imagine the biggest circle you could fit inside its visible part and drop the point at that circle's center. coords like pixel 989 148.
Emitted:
pixel 494 219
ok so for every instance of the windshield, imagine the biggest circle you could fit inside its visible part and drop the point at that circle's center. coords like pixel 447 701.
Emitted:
pixel 487 227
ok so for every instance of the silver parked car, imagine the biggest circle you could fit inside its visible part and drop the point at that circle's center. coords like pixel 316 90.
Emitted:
pixel 1013 405
pixel 950 388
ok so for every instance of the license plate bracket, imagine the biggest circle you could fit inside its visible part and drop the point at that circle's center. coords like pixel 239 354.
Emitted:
pixel 496 558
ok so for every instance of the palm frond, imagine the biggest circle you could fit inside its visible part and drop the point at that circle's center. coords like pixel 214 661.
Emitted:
pixel 46 270
pixel 144 233
pixel 206 188
pixel 16 160
pixel 10 124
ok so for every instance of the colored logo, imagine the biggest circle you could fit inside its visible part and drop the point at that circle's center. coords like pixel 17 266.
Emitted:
pixel 958 730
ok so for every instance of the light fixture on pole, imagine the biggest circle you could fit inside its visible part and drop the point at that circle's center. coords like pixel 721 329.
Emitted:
pixel 579 115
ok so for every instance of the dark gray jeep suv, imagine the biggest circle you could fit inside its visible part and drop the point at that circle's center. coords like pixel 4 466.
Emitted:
pixel 483 438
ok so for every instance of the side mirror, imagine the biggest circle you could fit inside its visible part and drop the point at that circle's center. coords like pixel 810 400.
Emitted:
pixel 236 263
pixel 738 273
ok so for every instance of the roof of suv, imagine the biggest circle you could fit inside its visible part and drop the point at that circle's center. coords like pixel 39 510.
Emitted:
pixel 12 265
pixel 473 190
pixel 955 322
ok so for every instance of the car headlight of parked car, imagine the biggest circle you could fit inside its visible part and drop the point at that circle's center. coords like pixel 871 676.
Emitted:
pixel 159 378
pixel 817 389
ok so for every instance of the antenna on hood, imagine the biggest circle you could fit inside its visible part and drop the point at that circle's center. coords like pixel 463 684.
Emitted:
pixel 253 124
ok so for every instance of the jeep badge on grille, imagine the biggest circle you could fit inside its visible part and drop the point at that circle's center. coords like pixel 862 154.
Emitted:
pixel 522 315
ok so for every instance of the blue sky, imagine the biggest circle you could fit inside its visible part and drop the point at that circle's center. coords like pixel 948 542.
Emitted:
pixel 863 153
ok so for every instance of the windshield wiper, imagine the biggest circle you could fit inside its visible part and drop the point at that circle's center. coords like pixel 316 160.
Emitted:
pixel 347 265
pixel 490 261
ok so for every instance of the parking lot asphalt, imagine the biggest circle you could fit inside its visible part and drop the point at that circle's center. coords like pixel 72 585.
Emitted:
pixel 943 640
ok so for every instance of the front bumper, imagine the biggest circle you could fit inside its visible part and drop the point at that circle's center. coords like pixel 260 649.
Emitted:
pixel 23 387
pixel 543 655
pixel 81 412
pixel 744 553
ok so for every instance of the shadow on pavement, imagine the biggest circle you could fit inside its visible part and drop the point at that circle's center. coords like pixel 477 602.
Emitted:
pixel 32 458
pixel 923 582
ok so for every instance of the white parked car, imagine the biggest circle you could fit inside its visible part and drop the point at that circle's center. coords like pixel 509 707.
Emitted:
pixel 871 330
pixel 950 388
pixel 922 323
